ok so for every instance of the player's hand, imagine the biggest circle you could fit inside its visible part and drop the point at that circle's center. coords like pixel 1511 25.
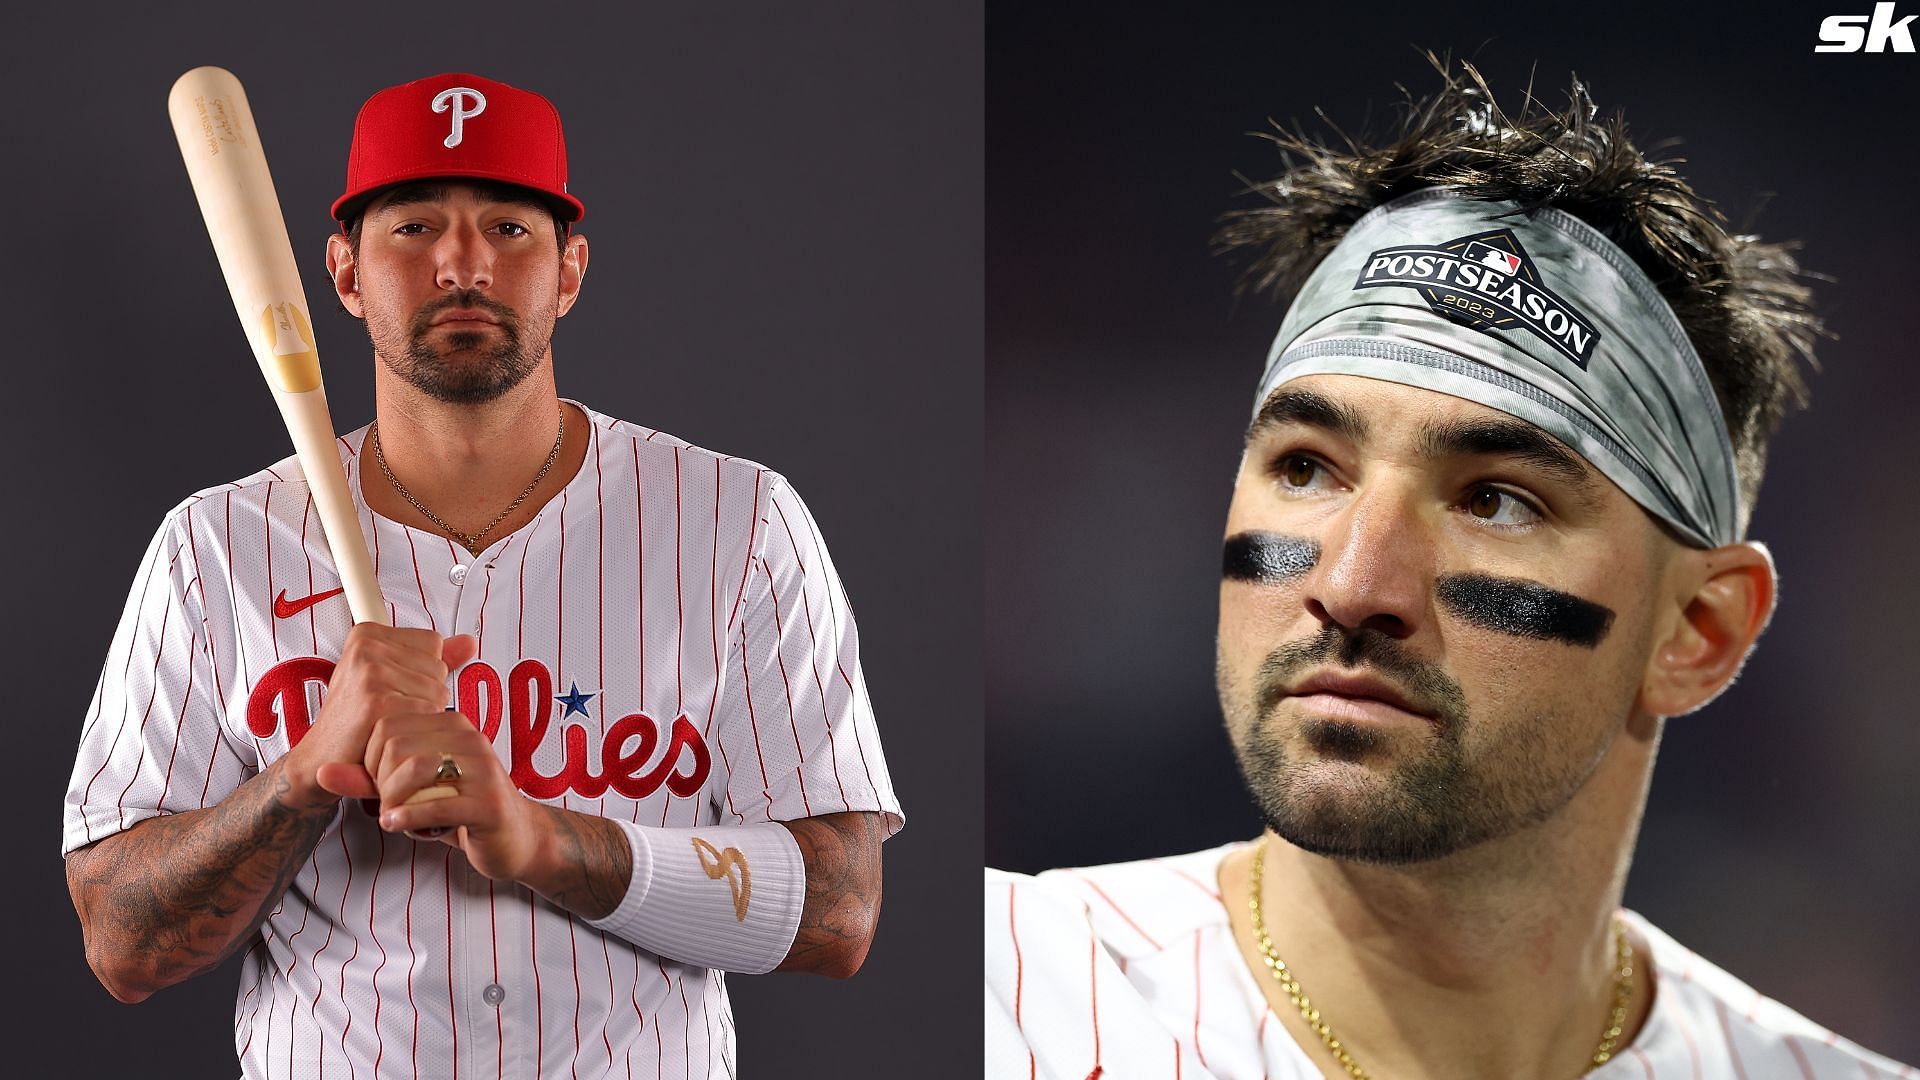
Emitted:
pixel 486 817
pixel 382 671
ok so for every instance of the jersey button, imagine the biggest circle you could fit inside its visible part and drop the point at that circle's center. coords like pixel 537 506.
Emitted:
pixel 457 575
pixel 494 994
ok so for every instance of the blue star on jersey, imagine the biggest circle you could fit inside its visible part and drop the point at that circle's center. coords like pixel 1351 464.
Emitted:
pixel 574 700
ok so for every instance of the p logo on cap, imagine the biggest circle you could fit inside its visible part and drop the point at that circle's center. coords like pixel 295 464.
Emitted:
pixel 427 129
pixel 450 99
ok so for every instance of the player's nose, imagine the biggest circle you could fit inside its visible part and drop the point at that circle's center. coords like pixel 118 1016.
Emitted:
pixel 463 259
pixel 1376 565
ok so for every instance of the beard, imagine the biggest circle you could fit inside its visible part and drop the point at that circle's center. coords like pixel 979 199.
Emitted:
pixel 494 361
pixel 1350 790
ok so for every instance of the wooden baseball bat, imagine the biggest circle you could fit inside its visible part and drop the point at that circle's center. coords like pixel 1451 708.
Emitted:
pixel 228 168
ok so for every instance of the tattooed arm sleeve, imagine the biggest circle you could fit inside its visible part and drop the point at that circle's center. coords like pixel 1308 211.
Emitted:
pixel 173 896
pixel 842 855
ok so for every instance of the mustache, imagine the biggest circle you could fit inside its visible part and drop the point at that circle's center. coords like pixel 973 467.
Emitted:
pixel 466 298
pixel 1426 685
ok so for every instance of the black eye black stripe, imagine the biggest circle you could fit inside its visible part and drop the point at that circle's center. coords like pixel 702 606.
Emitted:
pixel 1524 609
pixel 1267 557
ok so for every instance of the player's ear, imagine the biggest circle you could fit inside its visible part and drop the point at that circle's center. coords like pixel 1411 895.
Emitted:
pixel 573 268
pixel 1725 596
pixel 345 275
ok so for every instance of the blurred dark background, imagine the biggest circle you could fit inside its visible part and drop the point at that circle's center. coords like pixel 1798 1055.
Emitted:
pixel 1782 840
pixel 784 203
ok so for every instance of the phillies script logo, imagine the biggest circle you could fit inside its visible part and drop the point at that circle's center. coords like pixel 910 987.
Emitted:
pixel 1485 282
pixel 527 692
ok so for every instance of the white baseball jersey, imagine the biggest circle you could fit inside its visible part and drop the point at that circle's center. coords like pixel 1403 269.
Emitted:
pixel 667 643
pixel 1130 971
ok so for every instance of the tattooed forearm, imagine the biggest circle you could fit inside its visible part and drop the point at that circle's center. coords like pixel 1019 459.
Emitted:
pixel 590 864
pixel 174 896
pixel 842 854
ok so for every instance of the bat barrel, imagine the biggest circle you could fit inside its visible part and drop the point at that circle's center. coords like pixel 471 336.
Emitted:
pixel 228 168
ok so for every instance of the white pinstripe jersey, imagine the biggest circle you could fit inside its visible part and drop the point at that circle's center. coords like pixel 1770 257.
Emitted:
pixel 666 642
pixel 1130 972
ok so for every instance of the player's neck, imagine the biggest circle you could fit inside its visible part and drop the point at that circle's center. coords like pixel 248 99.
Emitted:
pixel 466 463
pixel 1497 961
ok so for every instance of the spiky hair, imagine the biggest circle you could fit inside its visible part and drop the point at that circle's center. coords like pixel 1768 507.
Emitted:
pixel 1744 303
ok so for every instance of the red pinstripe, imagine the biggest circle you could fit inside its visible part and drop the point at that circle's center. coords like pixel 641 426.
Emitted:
pixel 753 722
pixel 640 575
pixel 453 1010
pixel 1799 1057
pixel 1212 893
pixel 121 803
pixel 266 532
pixel 1093 994
pixel 239 640
pixel 686 1035
pixel 801 772
pixel 746 564
pixel 819 544
pixel 312 629
pixel 1019 977
pixel 680 611
pixel 186 699
pixel 213 658
pixel 1733 1052
pixel 1642 1059
pixel 499 1024
pixel 425 606
pixel 341 833
pixel 1095 886
pixel 806 608
pixel 679 601
pixel 293 954
pixel 1202 1054
pixel 413 962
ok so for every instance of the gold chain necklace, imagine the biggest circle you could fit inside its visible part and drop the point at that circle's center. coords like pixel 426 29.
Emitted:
pixel 471 543
pixel 1616 1017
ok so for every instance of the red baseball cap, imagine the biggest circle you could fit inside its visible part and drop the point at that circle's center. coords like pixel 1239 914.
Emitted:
pixel 457 125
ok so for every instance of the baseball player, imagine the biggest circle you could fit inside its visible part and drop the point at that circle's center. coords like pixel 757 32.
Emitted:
pixel 1486 536
pixel 623 664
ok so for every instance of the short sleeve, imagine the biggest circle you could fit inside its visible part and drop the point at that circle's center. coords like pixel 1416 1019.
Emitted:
pixel 799 727
pixel 153 741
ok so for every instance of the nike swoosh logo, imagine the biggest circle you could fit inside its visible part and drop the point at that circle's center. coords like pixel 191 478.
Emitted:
pixel 287 609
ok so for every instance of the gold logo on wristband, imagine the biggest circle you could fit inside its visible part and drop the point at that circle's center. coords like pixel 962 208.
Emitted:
pixel 720 864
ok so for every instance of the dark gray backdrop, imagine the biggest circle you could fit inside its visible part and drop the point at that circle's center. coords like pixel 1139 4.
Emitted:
pixel 1783 834
pixel 785 207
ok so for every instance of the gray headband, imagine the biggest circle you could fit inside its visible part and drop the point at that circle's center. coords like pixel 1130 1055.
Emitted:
pixel 1546 320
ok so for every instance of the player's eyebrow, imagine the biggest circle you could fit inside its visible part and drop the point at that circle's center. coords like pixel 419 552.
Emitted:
pixel 1515 439
pixel 1297 406
pixel 427 192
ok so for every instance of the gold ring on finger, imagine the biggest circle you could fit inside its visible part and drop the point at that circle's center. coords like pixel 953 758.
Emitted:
pixel 448 772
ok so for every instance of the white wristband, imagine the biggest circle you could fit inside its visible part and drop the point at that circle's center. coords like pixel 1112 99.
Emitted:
pixel 719 896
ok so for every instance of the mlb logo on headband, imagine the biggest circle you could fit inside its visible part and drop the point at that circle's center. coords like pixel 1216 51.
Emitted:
pixel 1485 282
pixel 1614 378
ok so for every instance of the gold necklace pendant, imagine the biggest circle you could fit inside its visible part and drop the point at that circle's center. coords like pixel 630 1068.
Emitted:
pixel 1616 1016
pixel 470 542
